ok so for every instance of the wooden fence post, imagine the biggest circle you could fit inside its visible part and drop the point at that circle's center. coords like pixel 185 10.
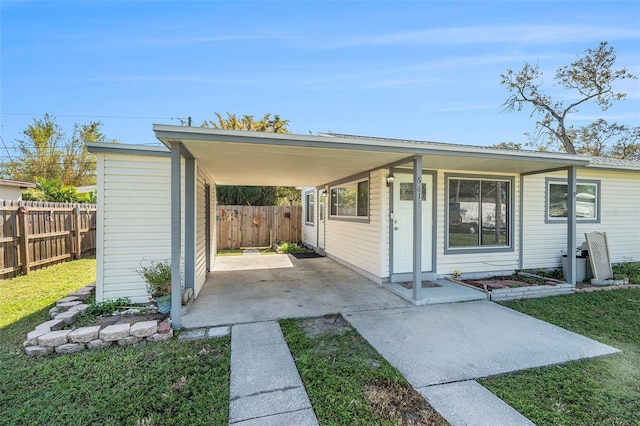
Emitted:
pixel 78 222
pixel 24 238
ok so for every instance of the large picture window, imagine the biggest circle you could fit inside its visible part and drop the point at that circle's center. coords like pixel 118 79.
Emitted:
pixel 479 213
pixel 350 199
pixel 587 200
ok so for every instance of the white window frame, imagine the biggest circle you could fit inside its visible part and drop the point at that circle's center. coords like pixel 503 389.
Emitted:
pixel 579 182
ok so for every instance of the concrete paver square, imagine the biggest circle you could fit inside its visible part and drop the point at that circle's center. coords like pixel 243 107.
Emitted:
pixel 269 403
pixel 469 403
pixel 304 417
pixel 446 343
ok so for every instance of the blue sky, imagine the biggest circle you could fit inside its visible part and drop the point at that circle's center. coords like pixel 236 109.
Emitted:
pixel 427 70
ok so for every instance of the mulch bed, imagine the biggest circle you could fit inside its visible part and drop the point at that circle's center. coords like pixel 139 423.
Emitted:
pixel 121 319
pixel 306 255
pixel 509 281
pixel 425 284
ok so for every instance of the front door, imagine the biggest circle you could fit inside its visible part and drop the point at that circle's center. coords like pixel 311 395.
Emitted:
pixel 403 223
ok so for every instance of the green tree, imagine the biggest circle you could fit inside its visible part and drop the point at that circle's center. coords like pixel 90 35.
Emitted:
pixel 47 153
pixel 590 78
pixel 52 190
pixel 253 195
pixel 513 146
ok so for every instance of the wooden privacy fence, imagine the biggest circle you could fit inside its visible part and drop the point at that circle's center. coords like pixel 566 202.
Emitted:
pixel 257 226
pixel 34 234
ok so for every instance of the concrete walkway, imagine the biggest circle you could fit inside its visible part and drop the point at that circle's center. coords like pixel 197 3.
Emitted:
pixel 265 385
pixel 442 349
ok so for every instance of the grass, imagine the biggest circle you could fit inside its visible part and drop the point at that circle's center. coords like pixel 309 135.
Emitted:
pixel 603 391
pixel 238 252
pixel 166 383
pixel 26 294
pixel 348 382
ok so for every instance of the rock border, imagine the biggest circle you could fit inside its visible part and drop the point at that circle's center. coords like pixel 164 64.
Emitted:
pixel 52 336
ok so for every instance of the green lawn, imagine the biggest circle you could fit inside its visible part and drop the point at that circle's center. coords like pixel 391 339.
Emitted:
pixel 603 391
pixel 166 383
pixel 348 382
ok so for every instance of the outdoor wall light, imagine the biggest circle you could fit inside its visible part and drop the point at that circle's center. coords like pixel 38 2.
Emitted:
pixel 390 179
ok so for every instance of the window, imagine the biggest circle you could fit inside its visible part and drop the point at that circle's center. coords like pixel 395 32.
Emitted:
pixel 587 200
pixel 479 213
pixel 309 208
pixel 350 199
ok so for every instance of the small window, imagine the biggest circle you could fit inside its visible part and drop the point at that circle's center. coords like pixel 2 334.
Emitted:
pixel 309 208
pixel 587 201
pixel 350 199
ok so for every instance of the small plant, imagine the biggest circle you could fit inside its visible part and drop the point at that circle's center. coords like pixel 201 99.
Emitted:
pixel 456 274
pixel 287 247
pixel 158 277
pixel 630 270
pixel 107 307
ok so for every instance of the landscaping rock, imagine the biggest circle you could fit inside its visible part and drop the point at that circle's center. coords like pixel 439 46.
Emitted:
pixel 54 338
pixel 32 337
pixel 164 327
pixel 81 308
pixel 159 337
pixel 194 334
pixel 81 295
pixel 66 300
pixel 115 332
pixel 218 332
pixel 52 325
pixel 98 344
pixel 69 317
pixel 129 340
pixel 69 348
pixel 64 307
pixel 53 312
pixel 38 350
pixel 144 328
pixel 84 334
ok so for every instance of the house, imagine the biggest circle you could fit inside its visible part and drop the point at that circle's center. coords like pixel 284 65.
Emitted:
pixel 12 189
pixel 392 210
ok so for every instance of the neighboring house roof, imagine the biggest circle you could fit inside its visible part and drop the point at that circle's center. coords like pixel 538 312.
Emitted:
pixel 19 184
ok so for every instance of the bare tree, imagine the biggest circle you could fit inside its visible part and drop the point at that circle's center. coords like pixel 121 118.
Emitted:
pixel 590 78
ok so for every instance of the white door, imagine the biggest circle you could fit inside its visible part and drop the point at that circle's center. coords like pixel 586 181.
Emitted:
pixel 321 219
pixel 403 223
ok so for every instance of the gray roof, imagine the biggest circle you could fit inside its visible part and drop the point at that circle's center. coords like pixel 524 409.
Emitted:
pixel 596 162
pixel 614 163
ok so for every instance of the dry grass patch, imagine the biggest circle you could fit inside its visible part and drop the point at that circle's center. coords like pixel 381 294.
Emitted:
pixel 400 403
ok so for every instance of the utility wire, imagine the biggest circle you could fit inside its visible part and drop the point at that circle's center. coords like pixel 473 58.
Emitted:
pixel 95 116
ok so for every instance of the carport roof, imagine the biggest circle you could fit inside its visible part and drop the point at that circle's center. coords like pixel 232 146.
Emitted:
pixel 274 159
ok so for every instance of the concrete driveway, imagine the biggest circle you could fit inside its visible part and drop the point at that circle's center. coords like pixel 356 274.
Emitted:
pixel 250 288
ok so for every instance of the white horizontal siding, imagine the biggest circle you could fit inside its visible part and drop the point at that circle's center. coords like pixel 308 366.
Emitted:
pixel 134 215
pixel 309 231
pixel 544 243
pixel 201 237
pixel 357 243
pixel 473 262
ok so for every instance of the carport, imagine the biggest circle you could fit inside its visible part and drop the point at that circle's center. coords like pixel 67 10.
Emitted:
pixel 251 288
pixel 252 158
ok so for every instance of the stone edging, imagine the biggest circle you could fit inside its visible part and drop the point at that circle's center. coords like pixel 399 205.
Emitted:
pixel 605 288
pixel 51 336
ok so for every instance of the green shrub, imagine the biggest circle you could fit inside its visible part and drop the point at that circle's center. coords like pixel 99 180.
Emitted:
pixel 629 270
pixel 287 247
